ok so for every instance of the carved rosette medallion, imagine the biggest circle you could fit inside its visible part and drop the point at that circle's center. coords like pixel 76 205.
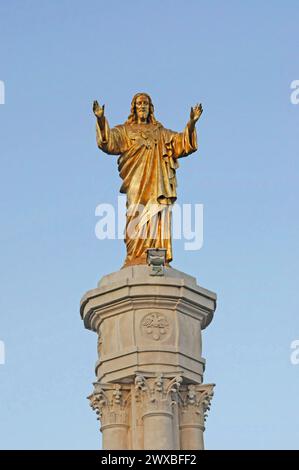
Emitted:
pixel 155 326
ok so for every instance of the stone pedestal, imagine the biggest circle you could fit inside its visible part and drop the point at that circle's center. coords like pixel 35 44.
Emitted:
pixel 149 392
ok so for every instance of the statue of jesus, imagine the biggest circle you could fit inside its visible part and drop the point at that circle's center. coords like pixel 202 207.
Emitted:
pixel 147 163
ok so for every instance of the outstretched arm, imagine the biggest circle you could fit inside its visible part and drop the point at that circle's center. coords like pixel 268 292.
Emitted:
pixel 195 114
pixel 99 114
pixel 111 141
pixel 181 144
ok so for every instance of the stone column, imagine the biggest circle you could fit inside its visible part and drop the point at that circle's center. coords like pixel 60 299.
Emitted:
pixel 111 405
pixel 194 404
pixel 157 396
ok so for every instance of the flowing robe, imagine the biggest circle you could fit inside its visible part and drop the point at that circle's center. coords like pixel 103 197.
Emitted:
pixel 147 164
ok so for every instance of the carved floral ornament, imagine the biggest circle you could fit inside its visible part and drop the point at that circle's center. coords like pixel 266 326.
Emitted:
pixel 114 399
pixel 155 325
pixel 198 397
pixel 157 389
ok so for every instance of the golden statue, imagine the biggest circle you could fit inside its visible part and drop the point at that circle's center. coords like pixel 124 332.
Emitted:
pixel 147 164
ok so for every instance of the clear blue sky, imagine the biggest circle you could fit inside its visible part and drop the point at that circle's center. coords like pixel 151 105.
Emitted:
pixel 238 59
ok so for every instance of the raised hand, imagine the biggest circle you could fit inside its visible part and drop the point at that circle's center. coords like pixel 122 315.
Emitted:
pixel 98 110
pixel 195 113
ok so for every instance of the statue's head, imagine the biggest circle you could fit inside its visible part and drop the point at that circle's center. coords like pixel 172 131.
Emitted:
pixel 142 108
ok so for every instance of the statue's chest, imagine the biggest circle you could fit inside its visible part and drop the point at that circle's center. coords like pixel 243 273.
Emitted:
pixel 144 137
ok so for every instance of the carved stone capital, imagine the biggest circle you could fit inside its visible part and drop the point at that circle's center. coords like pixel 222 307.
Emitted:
pixel 158 394
pixel 110 402
pixel 194 404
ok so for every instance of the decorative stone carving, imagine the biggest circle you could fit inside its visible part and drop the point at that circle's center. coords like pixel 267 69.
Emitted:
pixel 110 404
pixel 155 325
pixel 195 402
pixel 157 393
pixel 196 399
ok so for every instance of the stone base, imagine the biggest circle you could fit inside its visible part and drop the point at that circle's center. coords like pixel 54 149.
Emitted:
pixel 149 329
